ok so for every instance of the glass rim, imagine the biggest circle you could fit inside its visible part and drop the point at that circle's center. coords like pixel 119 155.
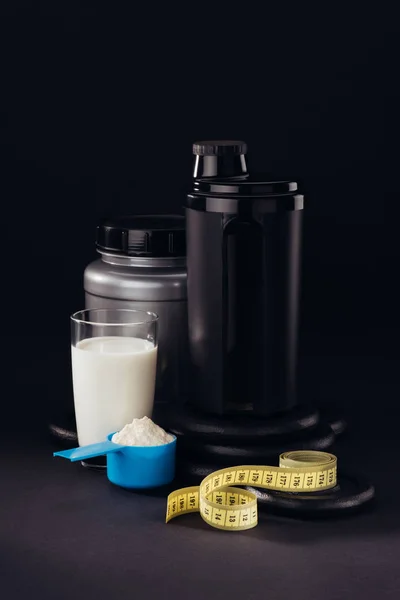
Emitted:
pixel 154 317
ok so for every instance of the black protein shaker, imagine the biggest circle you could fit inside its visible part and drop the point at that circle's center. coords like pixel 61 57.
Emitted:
pixel 243 257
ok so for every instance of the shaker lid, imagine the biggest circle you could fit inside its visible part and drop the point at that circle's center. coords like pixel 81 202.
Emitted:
pixel 262 193
pixel 219 148
pixel 253 185
pixel 143 235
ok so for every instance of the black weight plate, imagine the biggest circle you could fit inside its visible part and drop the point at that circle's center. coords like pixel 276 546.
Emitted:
pixel 350 495
pixel 184 421
pixel 64 435
pixel 321 438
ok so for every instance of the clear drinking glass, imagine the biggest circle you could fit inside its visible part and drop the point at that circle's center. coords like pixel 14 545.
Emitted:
pixel 114 359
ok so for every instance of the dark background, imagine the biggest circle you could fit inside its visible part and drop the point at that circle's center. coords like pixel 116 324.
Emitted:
pixel 99 107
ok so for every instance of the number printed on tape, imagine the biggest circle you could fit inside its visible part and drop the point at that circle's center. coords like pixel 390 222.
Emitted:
pixel 235 509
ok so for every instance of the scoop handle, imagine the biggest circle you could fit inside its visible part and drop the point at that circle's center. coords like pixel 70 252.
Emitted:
pixel 89 451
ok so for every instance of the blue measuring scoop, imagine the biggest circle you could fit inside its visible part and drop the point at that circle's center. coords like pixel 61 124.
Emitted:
pixel 132 467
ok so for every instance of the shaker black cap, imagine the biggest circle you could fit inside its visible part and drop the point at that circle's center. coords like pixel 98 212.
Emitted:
pixel 159 236
pixel 219 148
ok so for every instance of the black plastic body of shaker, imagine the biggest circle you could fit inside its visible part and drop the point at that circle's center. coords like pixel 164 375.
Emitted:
pixel 243 259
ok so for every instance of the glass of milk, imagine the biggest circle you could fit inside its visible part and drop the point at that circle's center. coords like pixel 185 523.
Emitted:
pixel 114 359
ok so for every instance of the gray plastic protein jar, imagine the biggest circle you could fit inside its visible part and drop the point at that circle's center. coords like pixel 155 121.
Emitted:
pixel 142 266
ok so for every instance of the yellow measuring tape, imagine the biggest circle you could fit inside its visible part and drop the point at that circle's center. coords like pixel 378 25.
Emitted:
pixel 235 509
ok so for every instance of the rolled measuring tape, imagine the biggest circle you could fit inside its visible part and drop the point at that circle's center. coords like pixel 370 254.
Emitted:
pixel 235 509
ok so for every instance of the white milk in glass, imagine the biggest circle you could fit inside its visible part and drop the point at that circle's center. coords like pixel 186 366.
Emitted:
pixel 114 381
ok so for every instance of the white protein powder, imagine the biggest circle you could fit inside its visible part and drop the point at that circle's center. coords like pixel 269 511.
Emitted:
pixel 142 432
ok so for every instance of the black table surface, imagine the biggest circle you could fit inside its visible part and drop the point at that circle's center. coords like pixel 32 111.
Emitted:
pixel 66 532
